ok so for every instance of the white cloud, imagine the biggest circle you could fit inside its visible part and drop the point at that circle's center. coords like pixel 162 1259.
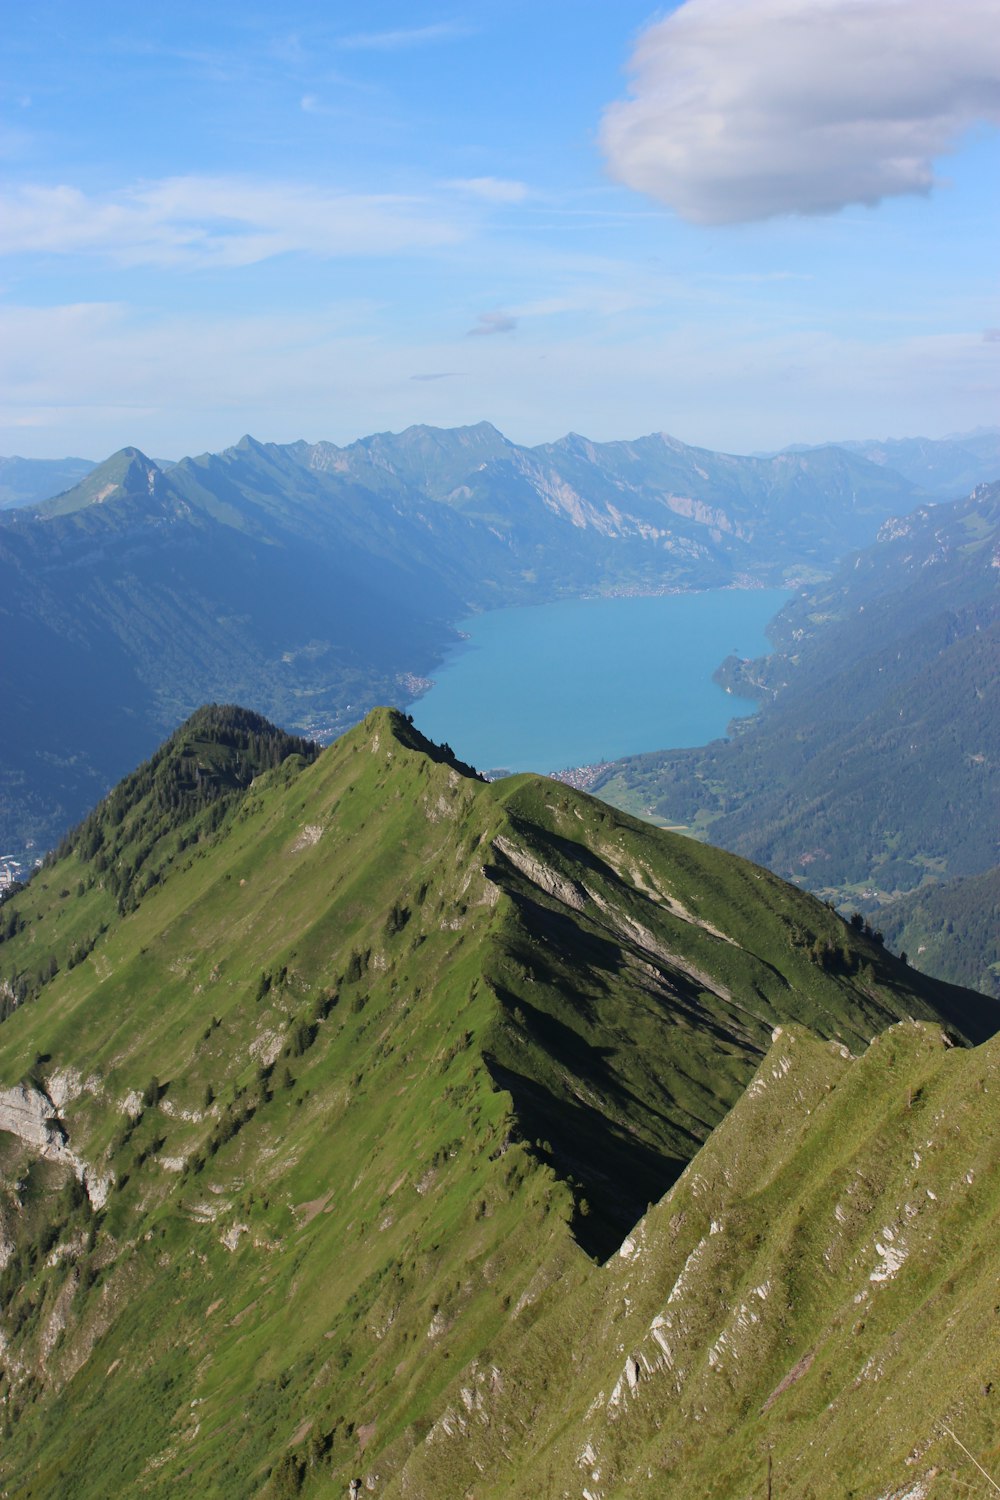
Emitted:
pixel 745 109
pixel 406 36
pixel 214 221
pixel 491 189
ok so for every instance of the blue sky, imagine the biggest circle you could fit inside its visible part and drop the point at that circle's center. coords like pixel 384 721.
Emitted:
pixel 744 222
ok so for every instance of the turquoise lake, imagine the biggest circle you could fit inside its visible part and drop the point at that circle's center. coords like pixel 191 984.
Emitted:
pixel 551 686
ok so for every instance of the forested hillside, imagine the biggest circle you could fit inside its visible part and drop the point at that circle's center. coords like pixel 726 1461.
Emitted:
pixel 313 581
pixel 873 764
pixel 951 929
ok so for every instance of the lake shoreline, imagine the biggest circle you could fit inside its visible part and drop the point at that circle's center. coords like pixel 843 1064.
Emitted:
pixel 567 688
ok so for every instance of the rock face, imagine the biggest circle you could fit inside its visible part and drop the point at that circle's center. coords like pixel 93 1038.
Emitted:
pixel 30 1114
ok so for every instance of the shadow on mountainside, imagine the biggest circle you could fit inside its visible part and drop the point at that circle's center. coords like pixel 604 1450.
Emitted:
pixel 573 1138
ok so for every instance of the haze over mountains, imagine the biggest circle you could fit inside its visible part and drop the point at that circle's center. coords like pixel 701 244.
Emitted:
pixel 942 467
pixel 25 481
pixel 313 581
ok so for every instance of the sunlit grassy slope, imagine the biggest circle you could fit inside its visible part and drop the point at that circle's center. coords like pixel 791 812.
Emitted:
pixel 357 1056
pixel 819 1290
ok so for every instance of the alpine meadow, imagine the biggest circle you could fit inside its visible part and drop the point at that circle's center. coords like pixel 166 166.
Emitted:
pixel 432 1066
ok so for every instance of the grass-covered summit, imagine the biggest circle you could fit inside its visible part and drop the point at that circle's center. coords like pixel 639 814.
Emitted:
pixel 304 1109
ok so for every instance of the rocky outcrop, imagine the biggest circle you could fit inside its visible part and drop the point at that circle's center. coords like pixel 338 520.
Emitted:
pixel 541 875
pixel 28 1112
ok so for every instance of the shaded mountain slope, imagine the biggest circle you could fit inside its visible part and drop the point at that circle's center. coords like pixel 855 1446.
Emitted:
pixel 874 760
pixel 351 1064
pixel 314 581
pixel 218 581
pixel 951 929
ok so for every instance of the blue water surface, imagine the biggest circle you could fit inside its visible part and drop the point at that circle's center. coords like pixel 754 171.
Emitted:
pixel 550 686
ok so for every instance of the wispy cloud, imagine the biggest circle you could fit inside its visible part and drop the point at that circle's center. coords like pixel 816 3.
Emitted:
pixel 437 375
pixel 991 335
pixel 407 36
pixel 746 109
pixel 491 189
pixel 215 65
pixel 492 322
pixel 215 221
pixel 591 301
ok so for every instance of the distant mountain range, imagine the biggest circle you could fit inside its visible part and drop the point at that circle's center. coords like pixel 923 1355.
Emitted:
pixel 313 581
pixel 943 467
pixel 369 1129
pixel 25 481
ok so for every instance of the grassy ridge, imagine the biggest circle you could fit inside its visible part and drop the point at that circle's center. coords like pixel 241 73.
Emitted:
pixel 381 1053
pixel 818 1290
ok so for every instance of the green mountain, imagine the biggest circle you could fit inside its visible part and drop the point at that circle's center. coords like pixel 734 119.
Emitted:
pixel 141 593
pixel 811 1311
pixel 327 1082
pixel 873 763
pixel 314 581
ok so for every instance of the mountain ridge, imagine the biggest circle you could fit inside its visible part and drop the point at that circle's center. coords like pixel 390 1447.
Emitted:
pixel 788 1315
pixel 361 1036
pixel 314 581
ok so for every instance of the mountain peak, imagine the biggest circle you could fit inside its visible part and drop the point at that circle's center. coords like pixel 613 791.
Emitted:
pixel 122 464
pixel 391 1057
pixel 126 473
pixel 399 726
pixel 190 780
